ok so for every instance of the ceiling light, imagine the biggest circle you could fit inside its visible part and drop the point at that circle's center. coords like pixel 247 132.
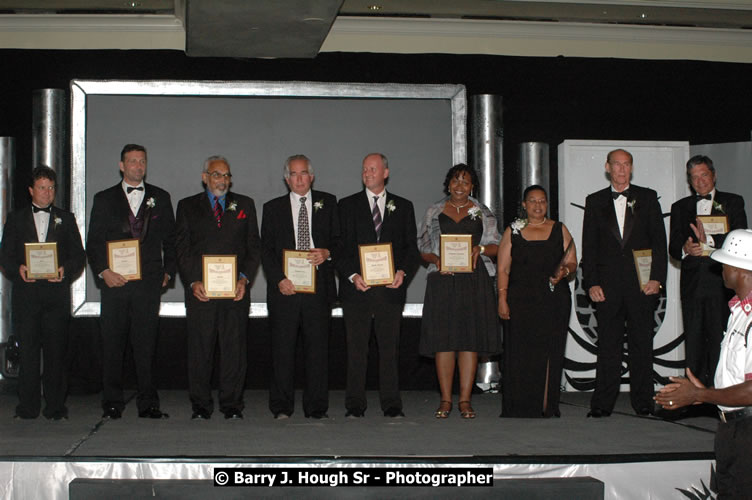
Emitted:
pixel 374 7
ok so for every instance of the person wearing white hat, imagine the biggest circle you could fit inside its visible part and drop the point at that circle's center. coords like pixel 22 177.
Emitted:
pixel 733 377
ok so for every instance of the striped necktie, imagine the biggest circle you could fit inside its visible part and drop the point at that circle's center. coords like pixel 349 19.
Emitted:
pixel 304 234
pixel 376 213
pixel 218 212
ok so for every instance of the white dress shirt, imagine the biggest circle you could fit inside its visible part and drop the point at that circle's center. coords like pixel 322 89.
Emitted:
pixel 620 206
pixel 42 222
pixel 135 197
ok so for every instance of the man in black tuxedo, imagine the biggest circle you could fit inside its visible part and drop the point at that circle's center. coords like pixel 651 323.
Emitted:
pixel 618 220
pixel 132 209
pixel 41 308
pixel 217 222
pixel 368 217
pixel 704 297
pixel 302 220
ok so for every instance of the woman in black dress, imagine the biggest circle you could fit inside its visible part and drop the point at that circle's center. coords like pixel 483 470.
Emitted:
pixel 536 256
pixel 459 309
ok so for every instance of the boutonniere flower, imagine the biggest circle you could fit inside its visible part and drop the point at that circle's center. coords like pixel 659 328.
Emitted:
pixel 151 202
pixel 58 221
pixel 391 207
pixel 474 212
pixel 631 204
pixel 718 206
pixel 518 225
pixel 232 206
pixel 318 206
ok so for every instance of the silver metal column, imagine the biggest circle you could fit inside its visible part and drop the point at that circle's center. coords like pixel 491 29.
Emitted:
pixel 534 165
pixel 49 144
pixel 7 165
pixel 486 149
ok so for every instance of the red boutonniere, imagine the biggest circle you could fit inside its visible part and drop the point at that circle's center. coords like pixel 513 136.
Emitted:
pixel 242 214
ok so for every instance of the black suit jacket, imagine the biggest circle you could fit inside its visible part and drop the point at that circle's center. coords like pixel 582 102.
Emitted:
pixel 109 222
pixel 20 229
pixel 701 273
pixel 607 258
pixel 278 234
pixel 398 227
pixel 198 234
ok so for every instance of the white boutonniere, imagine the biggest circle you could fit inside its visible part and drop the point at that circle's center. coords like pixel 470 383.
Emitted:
pixel 518 225
pixel 232 206
pixel 391 207
pixel 718 206
pixel 631 204
pixel 474 212
pixel 58 221
pixel 318 206
pixel 151 202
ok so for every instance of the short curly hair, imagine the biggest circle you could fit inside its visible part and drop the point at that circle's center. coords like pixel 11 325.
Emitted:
pixel 455 171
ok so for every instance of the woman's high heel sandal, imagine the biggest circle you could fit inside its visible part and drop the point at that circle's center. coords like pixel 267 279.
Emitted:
pixel 445 408
pixel 467 412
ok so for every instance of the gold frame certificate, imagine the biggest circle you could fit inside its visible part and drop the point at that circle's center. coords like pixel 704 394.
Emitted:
pixel 124 258
pixel 456 253
pixel 643 260
pixel 220 275
pixel 713 224
pixel 377 264
pixel 298 270
pixel 41 260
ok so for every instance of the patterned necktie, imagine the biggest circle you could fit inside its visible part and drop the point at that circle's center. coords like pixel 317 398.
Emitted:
pixel 218 212
pixel 376 217
pixel 304 235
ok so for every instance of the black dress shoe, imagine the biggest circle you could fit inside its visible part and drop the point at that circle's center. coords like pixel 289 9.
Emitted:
pixel 280 415
pixel 318 415
pixel 153 413
pixel 393 413
pixel 355 414
pixel 598 413
pixel 233 414
pixel 58 417
pixel 200 414
pixel 22 417
pixel 644 411
pixel 112 413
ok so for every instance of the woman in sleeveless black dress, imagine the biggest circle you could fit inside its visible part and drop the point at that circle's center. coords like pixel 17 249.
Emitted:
pixel 535 258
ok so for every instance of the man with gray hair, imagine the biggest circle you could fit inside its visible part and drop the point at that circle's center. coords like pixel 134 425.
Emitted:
pixel 217 222
pixel 306 221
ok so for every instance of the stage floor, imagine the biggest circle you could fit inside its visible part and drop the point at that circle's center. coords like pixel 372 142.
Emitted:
pixel 623 437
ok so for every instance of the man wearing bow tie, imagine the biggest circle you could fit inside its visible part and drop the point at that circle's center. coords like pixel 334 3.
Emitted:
pixel 619 219
pixel 132 209
pixel 42 307
pixel 704 297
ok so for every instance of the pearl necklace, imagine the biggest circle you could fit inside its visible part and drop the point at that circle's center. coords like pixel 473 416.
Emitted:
pixel 536 223
pixel 461 206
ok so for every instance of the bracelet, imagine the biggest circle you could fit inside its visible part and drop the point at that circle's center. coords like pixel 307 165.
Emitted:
pixel 567 268
pixel 482 249
pixel 502 289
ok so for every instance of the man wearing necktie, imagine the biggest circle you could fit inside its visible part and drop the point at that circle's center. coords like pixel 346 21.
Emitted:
pixel 41 308
pixel 619 219
pixel 131 209
pixel 303 220
pixel 217 221
pixel 704 297
pixel 368 217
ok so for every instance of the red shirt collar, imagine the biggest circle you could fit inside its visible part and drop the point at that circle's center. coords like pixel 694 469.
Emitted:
pixel 746 303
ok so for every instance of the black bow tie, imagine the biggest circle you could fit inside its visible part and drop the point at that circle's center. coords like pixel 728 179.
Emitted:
pixel 37 209
pixel 624 193
pixel 699 197
pixel 131 189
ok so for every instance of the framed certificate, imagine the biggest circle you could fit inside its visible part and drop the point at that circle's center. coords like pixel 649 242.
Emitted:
pixel 377 264
pixel 643 259
pixel 456 252
pixel 124 257
pixel 713 224
pixel 41 260
pixel 298 270
pixel 220 275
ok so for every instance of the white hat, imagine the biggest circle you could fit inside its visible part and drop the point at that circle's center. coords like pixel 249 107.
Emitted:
pixel 736 250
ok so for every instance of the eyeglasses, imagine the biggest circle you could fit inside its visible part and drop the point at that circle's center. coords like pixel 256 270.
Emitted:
pixel 216 175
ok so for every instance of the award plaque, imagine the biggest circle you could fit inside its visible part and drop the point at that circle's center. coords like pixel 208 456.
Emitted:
pixel 298 270
pixel 456 253
pixel 41 260
pixel 220 276
pixel 377 264
pixel 124 258
pixel 713 224
pixel 643 259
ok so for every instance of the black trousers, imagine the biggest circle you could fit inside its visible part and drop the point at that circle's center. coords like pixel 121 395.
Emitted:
pixel 633 315
pixel 733 442
pixel 705 321
pixel 385 319
pixel 130 312
pixel 218 324
pixel 309 315
pixel 41 313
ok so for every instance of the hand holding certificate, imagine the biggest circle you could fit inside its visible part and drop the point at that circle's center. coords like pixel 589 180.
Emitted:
pixel 41 261
pixel 456 253
pixel 299 270
pixel 220 276
pixel 124 258
pixel 377 264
